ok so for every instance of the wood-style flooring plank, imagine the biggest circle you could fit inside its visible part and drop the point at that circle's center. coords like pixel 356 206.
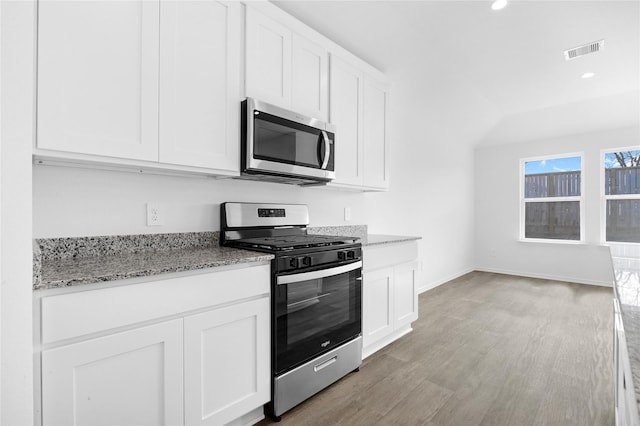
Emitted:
pixel 488 349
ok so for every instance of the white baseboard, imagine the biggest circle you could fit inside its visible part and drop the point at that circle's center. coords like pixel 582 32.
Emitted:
pixel 376 346
pixel 545 276
pixel 439 282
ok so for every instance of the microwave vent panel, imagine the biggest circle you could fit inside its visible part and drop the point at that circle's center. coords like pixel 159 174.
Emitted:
pixel 585 49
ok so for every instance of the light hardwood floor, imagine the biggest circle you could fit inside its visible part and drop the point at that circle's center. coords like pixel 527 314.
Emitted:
pixel 488 349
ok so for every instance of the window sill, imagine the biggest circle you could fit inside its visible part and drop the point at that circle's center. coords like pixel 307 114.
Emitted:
pixel 553 242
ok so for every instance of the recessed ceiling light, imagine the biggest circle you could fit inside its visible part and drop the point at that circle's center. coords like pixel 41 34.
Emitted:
pixel 498 4
pixel 588 75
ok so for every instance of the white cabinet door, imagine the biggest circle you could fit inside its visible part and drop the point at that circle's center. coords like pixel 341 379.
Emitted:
pixel 268 59
pixel 129 378
pixel 310 75
pixel 405 294
pixel 345 99
pixel 227 362
pixel 375 140
pixel 200 83
pixel 98 77
pixel 378 302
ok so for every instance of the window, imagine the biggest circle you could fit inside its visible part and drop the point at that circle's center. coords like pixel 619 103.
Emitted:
pixel 622 195
pixel 550 207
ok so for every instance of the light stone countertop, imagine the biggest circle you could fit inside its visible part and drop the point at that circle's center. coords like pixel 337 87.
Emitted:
pixel 361 232
pixel 377 239
pixel 65 262
pixel 87 270
pixel 626 269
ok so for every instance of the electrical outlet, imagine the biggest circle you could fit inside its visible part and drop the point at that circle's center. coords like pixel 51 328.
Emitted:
pixel 154 215
pixel 347 214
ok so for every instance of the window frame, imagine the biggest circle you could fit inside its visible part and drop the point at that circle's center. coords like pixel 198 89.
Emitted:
pixel 604 197
pixel 523 201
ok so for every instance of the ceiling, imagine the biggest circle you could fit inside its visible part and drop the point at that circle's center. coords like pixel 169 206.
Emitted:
pixel 510 61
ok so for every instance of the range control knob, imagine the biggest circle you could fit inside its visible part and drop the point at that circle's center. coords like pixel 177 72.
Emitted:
pixel 342 255
pixel 306 261
pixel 351 254
pixel 293 262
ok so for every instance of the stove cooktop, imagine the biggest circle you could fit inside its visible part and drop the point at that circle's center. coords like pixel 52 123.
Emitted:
pixel 290 242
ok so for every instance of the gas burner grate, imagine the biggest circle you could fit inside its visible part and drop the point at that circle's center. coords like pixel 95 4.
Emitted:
pixel 294 242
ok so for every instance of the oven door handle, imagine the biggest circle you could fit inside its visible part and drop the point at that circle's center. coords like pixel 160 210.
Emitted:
pixel 313 275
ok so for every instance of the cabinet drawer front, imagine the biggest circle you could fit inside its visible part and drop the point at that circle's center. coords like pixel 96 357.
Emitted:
pixel 71 315
pixel 384 255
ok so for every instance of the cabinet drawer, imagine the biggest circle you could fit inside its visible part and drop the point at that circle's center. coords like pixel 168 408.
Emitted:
pixel 384 255
pixel 75 314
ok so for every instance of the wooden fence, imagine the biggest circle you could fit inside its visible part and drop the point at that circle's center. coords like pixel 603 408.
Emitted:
pixel 624 180
pixel 555 220
pixel 561 220
pixel 623 220
pixel 558 184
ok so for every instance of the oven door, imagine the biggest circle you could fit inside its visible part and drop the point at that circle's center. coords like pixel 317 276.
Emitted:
pixel 315 312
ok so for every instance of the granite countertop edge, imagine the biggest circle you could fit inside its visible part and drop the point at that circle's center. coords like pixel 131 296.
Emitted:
pixel 382 239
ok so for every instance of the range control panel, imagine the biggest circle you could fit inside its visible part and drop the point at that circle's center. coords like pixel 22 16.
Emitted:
pixel 271 213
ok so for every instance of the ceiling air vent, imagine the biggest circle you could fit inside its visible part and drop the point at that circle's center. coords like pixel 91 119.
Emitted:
pixel 585 49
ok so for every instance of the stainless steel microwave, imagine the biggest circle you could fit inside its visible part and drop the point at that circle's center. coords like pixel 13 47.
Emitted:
pixel 279 145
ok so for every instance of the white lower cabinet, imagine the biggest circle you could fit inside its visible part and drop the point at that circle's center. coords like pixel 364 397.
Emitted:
pixel 226 346
pixel 133 377
pixel 377 299
pixel 389 294
pixel 405 301
pixel 191 350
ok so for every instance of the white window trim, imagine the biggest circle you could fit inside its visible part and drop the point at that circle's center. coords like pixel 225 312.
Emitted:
pixel 580 199
pixel 604 197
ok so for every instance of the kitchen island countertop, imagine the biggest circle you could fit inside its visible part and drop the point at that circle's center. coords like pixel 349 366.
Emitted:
pixel 626 268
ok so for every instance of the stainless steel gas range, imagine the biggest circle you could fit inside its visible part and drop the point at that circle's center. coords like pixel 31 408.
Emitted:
pixel 316 297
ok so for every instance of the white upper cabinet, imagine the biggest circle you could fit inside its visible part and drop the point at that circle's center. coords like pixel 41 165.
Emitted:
pixel 157 84
pixel 98 78
pixel 358 108
pixel 285 68
pixel 310 73
pixel 268 59
pixel 346 114
pixel 375 136
pixel 200 83
pixel 157 81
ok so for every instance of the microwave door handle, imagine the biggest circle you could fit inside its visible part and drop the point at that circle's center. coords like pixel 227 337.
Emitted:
pixel 327 150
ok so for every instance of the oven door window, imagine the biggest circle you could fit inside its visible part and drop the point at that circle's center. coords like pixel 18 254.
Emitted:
pixel 314 316
pixel 284 141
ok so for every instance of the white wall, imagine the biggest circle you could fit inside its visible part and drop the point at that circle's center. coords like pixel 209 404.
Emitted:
pixel 16 355
pixel 434 127
pixel 71 202
pixel 498 248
